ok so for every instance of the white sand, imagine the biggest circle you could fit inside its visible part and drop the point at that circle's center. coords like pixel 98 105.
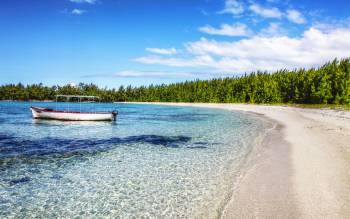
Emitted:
pixel 301 171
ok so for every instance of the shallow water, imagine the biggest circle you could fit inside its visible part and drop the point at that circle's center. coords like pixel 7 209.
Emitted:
pixel 154 162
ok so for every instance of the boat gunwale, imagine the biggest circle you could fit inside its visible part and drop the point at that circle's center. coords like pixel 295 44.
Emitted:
pixel 71 112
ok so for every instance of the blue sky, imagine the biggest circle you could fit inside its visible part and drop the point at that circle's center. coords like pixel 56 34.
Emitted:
pixel 138 42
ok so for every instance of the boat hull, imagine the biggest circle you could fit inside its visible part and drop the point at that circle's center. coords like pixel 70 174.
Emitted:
pixel 44 113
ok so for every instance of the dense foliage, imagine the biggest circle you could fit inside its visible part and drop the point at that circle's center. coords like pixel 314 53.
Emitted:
pixel 329 84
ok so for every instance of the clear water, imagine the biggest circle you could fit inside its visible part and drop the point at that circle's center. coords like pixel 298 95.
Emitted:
pixel 154 162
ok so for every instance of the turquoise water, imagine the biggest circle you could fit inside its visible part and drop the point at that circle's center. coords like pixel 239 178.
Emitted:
pixel 153 162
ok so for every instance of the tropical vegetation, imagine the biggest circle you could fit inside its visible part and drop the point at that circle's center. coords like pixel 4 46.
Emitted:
pixel 329 84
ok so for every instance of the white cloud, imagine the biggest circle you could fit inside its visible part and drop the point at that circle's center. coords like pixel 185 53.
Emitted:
pixel 233 7
pixel 313 48
pixel 84 1
pixel 176 62
pixel 295 16
pixel 331 25
pixel 227 30
pixel 265 12
pixel 78 11
pixel 273 30
pixel 148 74
pixel 162 51
pixel 153 74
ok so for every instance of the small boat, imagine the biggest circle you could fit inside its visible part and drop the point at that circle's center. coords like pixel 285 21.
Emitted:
pixel 47 113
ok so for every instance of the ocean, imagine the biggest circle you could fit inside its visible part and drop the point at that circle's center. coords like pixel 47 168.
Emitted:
pixel 153 162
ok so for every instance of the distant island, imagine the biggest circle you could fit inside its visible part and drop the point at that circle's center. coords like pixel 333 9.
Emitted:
pixel 329 84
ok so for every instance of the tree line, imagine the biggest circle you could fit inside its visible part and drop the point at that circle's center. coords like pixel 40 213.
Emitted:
pixel 329 84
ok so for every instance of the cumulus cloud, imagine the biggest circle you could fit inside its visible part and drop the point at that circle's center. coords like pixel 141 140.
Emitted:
pixel 265 12
pixel 295 16
pixel 273 30
pixel 162 51
pixel 227 30
pixel 313 48
pixel 233 7
pixel 78 11
pixel 236 7
pixel 84 1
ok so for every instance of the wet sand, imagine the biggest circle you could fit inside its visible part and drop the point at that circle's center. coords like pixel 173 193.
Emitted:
pixel 302 168
pixel 264 190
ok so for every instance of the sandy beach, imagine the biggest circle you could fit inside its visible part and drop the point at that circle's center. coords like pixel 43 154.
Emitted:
pixel 302 169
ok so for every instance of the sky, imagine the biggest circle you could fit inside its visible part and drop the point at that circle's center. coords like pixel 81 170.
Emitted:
pixel 139 42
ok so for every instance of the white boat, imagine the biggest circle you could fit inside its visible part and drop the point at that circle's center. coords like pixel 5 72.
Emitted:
pixel 47 113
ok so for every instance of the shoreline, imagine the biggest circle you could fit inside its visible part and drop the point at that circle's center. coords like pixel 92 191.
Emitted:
pixel 263 189
pixel 301 170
